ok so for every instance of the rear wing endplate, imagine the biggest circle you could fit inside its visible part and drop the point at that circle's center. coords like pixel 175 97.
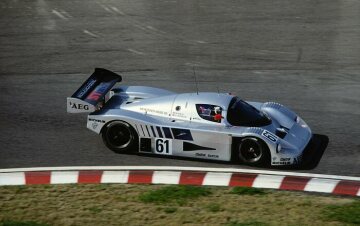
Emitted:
pixel 91 95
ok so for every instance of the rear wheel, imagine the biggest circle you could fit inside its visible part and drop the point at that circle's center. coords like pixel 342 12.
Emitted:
pixel 253 151
pixel 120 137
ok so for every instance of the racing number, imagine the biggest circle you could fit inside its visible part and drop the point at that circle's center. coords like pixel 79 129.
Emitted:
pixel 163 147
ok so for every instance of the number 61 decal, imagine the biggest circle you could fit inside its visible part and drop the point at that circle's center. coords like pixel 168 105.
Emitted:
pixel 163 146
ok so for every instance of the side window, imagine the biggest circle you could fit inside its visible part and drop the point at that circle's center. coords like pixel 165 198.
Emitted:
pixel 209 112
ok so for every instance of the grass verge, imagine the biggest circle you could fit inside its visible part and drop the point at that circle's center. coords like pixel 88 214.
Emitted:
pixel 126 204
pixel 349 213
pixel 179 194
pixel 248 191
pixel 21 223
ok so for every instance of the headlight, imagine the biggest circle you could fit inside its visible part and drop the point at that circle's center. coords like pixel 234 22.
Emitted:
pixel 301 122
pixel 278 148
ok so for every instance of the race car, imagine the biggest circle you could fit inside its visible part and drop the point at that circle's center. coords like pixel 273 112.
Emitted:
pixel 201 125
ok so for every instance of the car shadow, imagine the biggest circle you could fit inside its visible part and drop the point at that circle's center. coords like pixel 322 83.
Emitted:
pixel 311 157
pixel 312 154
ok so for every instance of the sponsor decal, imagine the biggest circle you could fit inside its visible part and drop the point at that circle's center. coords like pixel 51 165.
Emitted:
pixel 79 106
pixel 271 137
pixel 206 155
pixel 86 88
pixel 283 161
pixel 179 115
pixel 94 125
pixel 213 156
pixel 96 120
pixel 154 111
pixel 98 91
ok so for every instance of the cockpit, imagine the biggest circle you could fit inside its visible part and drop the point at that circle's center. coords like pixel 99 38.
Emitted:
pixel 240 113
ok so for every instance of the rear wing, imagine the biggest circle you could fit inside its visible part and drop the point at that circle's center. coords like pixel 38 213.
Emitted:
pixel 91 95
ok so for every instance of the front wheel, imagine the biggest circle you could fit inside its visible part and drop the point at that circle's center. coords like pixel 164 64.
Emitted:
pixel 120 137
pixel 253 151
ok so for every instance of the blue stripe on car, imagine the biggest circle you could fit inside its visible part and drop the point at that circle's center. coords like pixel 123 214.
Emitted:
pixel 167 132
pixel 147 129
pixel 142 130
pixel 159 132
pixel 153 131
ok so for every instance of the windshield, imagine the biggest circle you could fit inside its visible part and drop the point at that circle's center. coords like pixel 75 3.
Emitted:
pixel 241 113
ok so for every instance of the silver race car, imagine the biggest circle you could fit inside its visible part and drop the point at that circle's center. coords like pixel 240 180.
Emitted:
pixel 204 125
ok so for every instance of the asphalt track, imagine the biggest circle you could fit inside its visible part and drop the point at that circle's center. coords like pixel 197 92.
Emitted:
pixel 303 54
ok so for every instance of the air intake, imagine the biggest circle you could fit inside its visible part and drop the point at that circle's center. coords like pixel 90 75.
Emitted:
pixel 281 132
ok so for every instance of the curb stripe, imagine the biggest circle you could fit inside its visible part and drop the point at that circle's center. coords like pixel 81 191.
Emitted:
pixel 90 177
pixel 120 177
pixel 217 179
pixel 294 183
pixel 268 181
pixel 180 168
pixel 347 188
pixel 321 185
pixel 192 178
pixel 185 177
pixel 16 178
pixel 166 177
pixel 37 177
pixel 242 180
pixel 140 177
pixel 64 177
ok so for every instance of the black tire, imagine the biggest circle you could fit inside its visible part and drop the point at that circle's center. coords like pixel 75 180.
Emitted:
pixel 120 137
pixel 253 151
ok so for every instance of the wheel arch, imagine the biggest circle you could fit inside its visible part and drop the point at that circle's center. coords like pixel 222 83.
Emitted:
pixel 132 131
pixel 236 141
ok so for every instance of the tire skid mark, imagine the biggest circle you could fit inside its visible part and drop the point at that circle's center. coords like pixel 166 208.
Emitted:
pixel 59 14
pixel 118 11
pixel 90 33
pixel 146 27
pixel 104 7
pixel 135 51
pixel 150 30
pixel 66 14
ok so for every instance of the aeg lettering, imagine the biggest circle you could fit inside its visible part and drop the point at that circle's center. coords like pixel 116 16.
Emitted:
pixel 79 106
